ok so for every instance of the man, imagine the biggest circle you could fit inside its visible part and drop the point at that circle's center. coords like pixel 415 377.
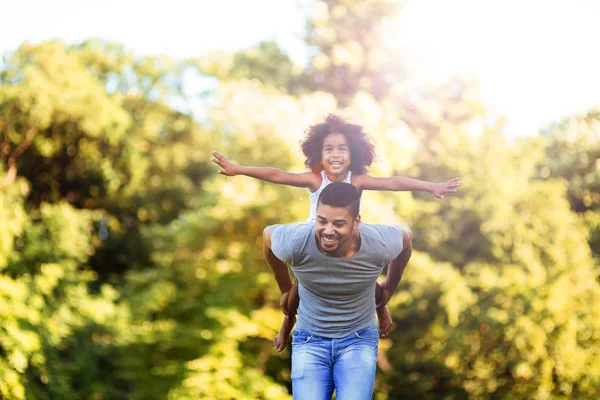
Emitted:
pixel 336 261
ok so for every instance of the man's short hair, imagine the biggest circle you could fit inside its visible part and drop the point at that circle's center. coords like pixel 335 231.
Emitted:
pixel 341 194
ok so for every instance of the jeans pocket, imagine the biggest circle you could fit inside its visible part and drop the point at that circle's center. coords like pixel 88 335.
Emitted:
pixel 368 333
pixel 301 337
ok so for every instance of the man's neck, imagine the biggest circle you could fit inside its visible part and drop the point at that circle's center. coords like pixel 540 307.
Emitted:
pixel 353 244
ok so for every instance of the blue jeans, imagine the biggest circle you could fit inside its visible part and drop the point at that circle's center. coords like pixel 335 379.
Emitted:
pixel 347 365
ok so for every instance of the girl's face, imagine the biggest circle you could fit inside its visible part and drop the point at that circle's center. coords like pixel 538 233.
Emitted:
pixel 335 154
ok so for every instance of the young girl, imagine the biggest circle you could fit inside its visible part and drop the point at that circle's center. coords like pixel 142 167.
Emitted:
pixel 335 151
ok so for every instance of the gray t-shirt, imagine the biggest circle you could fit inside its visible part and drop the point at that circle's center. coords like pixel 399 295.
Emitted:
pixel 337 295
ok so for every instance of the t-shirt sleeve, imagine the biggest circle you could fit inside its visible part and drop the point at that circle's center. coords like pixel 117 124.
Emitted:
pixel 394 239
pixel 282 243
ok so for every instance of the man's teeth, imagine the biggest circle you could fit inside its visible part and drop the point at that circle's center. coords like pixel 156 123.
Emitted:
pixel 328 239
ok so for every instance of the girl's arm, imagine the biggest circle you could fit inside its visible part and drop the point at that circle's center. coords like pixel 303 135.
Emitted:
pixel 273 175
pixel 400 183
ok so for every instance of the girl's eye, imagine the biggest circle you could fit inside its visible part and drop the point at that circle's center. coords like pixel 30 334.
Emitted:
pixel 328 149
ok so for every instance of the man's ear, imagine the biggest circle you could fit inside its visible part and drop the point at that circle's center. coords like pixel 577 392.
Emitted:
pixel 356 221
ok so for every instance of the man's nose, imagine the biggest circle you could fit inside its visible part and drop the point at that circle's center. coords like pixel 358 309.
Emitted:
pixel 328 229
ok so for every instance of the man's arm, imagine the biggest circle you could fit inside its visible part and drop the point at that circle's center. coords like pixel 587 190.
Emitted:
pixel 396 267
pixel 273 175
pixel 403 184
pixel 279 268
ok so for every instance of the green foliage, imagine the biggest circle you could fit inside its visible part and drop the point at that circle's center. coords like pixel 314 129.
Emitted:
pixel 56 335
pixel 125 152
pixel 265 63
pixel 520 330
pixel 573 154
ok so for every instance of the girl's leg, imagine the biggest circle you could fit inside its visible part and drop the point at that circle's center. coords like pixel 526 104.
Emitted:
pixel 289 320
pixel 384 318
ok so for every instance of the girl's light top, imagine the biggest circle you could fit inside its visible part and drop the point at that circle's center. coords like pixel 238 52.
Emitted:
pixel 314 196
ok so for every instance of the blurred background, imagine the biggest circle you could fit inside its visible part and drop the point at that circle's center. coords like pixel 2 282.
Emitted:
pixel 129 269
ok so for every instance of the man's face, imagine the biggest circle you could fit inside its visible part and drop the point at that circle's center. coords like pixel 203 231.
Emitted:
pixel 334 229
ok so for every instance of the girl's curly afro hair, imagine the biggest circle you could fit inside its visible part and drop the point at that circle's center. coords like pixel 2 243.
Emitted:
pixel 362 150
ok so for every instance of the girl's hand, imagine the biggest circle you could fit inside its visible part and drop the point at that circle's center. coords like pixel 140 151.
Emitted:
pixel 228 168
pixel 439 189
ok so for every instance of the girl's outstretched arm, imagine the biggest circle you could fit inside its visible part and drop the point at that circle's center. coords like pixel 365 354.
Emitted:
pixel 273 175
pixel 400 183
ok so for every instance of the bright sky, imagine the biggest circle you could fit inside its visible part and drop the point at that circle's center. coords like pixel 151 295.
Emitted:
pixel 537 60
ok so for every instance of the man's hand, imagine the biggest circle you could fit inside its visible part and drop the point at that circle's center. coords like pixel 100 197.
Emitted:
pixel 439 189
pixel 228 168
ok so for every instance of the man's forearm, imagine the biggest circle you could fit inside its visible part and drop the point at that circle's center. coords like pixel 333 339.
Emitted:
pixel 280 271
pixel 396 270
pixel 279 268
pixel 398 265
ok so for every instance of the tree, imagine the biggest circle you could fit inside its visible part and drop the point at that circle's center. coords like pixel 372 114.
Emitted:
pixel 90 124
pixel 349 52
pixel 573 154
pixel 88 131
pixel 266 63
pixel 496 320
pixel 57 335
